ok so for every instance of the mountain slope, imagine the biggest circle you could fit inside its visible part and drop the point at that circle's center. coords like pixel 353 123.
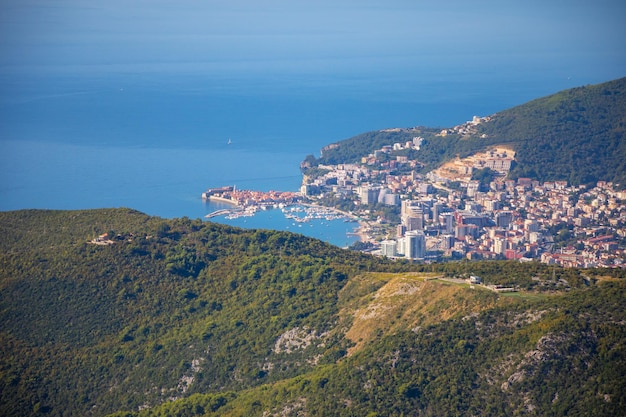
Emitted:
pixel 560 355
pixel 181 317
pixel 163 309
pixel 577 135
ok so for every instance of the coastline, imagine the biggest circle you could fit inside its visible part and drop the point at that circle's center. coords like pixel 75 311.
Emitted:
pixel 223 200
pixel 363 228
pixel 324 224
pixel 360 231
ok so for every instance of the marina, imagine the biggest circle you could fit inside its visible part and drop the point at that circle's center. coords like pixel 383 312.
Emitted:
pixel 299 213
pixel 247 203
pixel 280 211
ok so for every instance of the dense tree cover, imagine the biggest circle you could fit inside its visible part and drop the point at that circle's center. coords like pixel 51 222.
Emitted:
pixel 183 317
pixel 485 176
pixel 103 327
pixel 563 355
pixel 353 149
pixel 576 135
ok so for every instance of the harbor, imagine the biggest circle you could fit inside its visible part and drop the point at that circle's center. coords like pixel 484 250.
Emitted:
pixel 280 211
pixel 247 202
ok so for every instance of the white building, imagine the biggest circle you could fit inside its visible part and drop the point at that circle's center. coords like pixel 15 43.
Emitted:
pixel 388 248
pixel 415 245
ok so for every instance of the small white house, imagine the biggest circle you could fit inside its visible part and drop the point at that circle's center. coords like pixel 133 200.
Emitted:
pixel 475 279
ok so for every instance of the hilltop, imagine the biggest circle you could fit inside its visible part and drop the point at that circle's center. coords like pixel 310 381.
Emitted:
pixel 182 317
pixel 576 135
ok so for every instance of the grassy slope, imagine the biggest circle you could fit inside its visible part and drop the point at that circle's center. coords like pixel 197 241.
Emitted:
pixel 439 348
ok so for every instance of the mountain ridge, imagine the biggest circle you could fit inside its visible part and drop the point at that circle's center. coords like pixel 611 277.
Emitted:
pixel 184 317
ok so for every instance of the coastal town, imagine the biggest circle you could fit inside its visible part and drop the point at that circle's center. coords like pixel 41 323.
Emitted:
pixel 467 208
pixel 246 203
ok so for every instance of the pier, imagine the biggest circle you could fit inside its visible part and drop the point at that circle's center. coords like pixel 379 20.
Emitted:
pixel 218 213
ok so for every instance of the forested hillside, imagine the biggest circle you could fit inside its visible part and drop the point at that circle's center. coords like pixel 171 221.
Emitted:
pixel 577 135
pixel 164 309
pixel 550 357
pixel 182 317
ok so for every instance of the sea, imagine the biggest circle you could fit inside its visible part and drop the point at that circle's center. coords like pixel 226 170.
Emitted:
pixel 155 141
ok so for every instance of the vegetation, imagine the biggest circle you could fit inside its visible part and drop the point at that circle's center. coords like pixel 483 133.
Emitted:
pixel 576 135
pixel 484 176
pixel 435 150
pixel 182 317
pixel 127 322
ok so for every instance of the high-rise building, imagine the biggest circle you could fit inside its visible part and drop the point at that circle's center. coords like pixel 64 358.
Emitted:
pixel 415 245
pixel 499 245
pixel 447 221
pixel 448 241
pixel 412 215
pixel 436 211
pixel 415 221
pixel 408 206
pixel 390 199
pixel 381 195
pixel 492 205
pixel 504 218
pixel 369 195
pixel 401 246
pixel 531 225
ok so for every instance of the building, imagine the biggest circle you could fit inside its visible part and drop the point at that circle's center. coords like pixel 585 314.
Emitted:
pixel 390 199
pixel 502 165
pixel 388 248
pixel 369 195
pixel 446 220
pixel 531 225
pixel 415 245
pixel 448 241
pixel 436 210
pixel 475 279
pixel 408 206
pixel 504 219
pixel 499 245
pixel 414 221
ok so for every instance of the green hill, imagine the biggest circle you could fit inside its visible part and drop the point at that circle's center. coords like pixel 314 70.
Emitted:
pixel 577 135
pixel 182 317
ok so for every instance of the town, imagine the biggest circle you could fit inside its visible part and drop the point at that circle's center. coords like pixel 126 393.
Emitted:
pixel 469 209
pixel 247 202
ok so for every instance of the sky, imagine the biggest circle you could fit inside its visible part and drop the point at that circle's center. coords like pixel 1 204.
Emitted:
pixel 357 39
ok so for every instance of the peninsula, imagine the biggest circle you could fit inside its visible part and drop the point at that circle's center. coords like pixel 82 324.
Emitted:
pixel 475 190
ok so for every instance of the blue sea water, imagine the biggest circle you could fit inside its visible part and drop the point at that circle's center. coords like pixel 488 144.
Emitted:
pixel 156 143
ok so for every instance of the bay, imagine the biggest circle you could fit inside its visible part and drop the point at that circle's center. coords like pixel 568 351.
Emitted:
pixel 161 182
pixel 156 143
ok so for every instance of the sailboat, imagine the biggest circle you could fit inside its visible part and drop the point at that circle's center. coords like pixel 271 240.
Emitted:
pixel 229 141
